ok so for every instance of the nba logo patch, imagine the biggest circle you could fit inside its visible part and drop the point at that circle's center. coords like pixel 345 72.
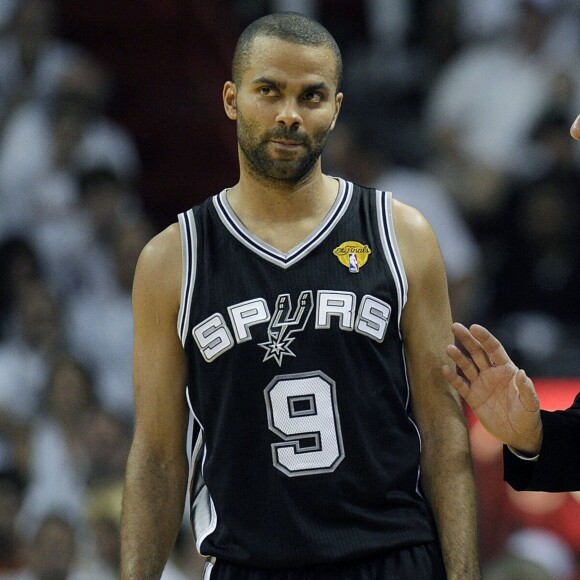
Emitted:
pixel 353 263
pixel 353 255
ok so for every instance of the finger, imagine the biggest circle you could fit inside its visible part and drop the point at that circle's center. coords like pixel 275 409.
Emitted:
pixel 575 128
pixel 464 362
pixel 471 345
pixel 528 394
pixel 453 378
pixel 492 346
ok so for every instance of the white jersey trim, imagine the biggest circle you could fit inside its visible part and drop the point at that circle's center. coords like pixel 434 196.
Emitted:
pixel 271 254
pixel 393 256
pixel 203 513
pixel 384 202
pixel 188 270
pixel 204 517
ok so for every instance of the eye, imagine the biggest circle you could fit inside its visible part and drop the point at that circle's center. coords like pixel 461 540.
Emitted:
pixel 313 97
pixel 265 91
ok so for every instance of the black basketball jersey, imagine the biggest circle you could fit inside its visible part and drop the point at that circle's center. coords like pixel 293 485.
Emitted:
pixel 304 448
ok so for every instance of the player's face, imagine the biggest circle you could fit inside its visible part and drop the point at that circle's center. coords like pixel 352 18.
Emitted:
pixel 285 106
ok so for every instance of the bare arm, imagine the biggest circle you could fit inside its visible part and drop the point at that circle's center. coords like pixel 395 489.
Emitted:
pixel 157 468
pixel 447 472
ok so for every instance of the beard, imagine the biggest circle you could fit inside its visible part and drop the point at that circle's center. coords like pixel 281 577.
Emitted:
pixel 290 170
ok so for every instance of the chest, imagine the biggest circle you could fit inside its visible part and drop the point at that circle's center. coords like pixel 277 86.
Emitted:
pixel 335 285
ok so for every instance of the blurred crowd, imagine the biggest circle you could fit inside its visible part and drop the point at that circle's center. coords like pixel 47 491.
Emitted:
pixel 111 122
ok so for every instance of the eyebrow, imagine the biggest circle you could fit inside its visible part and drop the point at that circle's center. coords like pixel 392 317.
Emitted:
pixel 321 86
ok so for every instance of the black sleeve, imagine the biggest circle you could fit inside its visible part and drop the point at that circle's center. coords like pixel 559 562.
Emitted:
pixel 557 468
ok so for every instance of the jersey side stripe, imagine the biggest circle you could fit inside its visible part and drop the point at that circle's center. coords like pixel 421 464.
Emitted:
pixel 203 513
pixel 395 249
pixel 188 255
pixel 391 249
pixel 393 255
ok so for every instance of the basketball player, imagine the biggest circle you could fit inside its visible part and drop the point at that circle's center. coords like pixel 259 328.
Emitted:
pixel 305 318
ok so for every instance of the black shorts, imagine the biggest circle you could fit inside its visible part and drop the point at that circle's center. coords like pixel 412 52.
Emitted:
pixel 423 562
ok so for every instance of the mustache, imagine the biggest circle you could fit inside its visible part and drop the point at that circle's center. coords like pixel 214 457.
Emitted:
pixel 287 134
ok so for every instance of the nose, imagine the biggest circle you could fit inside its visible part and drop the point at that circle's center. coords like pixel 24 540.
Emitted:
pixel 288 113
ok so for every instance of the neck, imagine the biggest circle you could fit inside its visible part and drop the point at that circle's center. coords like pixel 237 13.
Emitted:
pixel 258 198
pixel 283 214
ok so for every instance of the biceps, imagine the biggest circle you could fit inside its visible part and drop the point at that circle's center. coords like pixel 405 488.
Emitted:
pixel 159 378
pixel 427 327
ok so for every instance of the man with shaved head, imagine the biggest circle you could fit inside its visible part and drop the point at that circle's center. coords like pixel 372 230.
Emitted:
pixel 301 319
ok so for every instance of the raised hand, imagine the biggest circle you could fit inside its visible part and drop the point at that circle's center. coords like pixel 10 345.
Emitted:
pixel 502 396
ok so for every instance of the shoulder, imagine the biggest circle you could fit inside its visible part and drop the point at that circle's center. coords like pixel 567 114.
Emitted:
pixel 163 250
pixel 164 246
pixel 411 226
pixel 159 267
pixel 418 244
pixel 407 215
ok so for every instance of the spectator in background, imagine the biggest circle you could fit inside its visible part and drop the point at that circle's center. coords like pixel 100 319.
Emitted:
pixel 25 360
pixel 106 532
pixel 184 564
pixel 105 200
pixel 482 20
pixel 532 242
pixel 46 142
pixel 57 451
pixel 7 9
pixel 100 327
pixel 12 490
pixel 54 554
pixel 20 265
pixel 538 248
pixel 483 106
pixel 32 57
pixel 107 440
pixel 555 151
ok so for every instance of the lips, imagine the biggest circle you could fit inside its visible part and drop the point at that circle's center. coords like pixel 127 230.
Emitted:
pixel 287 143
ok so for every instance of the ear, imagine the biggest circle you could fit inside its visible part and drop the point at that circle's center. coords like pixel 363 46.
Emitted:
pixel 338 101
pixel 229 96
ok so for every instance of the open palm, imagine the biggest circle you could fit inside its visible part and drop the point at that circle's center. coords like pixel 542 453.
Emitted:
pixel 502 397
